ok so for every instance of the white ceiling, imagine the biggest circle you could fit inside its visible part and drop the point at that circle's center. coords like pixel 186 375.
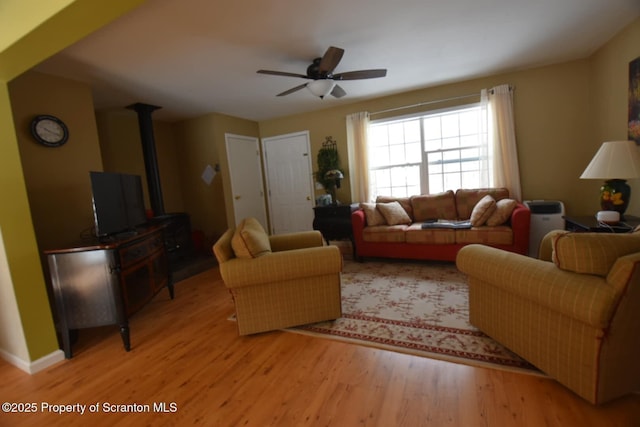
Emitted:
pixel 194 57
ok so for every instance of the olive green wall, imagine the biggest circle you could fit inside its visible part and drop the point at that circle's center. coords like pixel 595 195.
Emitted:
pixel 28 38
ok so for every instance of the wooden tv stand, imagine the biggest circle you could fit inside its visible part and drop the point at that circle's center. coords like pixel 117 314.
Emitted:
pixel 106 282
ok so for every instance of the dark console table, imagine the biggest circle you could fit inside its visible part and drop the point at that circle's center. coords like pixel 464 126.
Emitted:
pixel 590 223
pixel 106 282
pixel 334 222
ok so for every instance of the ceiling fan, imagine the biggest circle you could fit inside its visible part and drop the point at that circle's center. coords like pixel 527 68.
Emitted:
pixel 321 72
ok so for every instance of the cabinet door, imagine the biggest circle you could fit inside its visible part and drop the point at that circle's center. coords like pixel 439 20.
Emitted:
pixel 136 286
pixel 160 271
pixel 86 288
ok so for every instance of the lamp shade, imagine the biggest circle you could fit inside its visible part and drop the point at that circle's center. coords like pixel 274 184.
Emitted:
pixel 321 88
pixel 614 160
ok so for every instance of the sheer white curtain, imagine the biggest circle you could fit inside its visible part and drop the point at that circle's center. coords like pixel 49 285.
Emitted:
pixel 357 130
pixel 502 141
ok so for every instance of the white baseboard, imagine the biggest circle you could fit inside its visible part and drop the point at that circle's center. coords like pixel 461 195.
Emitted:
pixel 35 366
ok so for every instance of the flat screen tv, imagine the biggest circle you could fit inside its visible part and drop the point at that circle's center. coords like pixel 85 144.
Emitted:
pixel 118 203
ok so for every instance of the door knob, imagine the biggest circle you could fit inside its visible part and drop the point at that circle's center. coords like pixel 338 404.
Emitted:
pixel 237 197
pixel 308 197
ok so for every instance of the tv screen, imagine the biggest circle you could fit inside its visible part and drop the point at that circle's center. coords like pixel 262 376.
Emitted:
pixel 118 203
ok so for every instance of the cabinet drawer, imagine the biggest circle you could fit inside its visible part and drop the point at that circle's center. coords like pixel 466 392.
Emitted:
pixel 132 254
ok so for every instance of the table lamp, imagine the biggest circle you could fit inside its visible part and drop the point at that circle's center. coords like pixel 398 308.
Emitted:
pixel 615 162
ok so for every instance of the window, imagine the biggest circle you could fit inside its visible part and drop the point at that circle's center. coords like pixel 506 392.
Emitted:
pixel 433 153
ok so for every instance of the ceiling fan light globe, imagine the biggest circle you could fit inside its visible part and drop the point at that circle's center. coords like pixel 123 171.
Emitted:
pixel 321 88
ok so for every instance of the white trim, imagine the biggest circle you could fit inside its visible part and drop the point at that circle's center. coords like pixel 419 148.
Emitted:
pixel 35 366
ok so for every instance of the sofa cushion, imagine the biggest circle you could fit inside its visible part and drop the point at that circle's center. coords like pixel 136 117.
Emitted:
pixel 394 213
pixel 250 240
pixel 503 211
pixel 466 199
pixel 434 206
pixel 385 233
pixel 592 253
pixel 432 236
pixel 482 211
pixel 373 215
pixel 405 202
pixel 498 235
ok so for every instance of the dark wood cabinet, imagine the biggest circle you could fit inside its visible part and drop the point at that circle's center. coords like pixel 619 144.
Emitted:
pixel 105 283
pixel 334 222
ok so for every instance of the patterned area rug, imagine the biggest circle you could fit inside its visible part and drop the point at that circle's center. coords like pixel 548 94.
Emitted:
pixel 416 308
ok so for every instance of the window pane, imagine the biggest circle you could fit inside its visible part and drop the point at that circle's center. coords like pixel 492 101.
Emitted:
pixel 432 128
pixel 412 131
pixel 470 179
pixel 414 154
pixel 469 123
pixel 435 163
pixel 450 125
pixel 397 156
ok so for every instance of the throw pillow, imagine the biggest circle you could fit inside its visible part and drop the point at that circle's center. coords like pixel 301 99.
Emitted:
pixel 434 206
pixel 503 211
pixel 250 240
pixel 482 211
pixel 405 202
pixel 466 199
pixel 394 213
pixel 374 217
pixel 592 253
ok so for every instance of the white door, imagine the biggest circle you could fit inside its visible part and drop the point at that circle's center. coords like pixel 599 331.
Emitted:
pixel 289 182
pixel 245 169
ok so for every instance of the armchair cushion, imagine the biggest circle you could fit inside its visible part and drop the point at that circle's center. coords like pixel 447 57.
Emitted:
pixel 592 253
pixel 250 240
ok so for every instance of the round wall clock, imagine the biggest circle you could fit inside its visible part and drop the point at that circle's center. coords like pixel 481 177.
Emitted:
pixel 49 130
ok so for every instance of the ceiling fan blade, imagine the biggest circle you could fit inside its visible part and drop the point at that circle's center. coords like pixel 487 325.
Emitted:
pixel 281 73
pixel 330 60
pixel 338 92
pixel 294 89
pixel 362 74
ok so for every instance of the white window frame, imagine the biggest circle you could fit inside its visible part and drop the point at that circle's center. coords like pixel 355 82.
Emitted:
pixel 480 158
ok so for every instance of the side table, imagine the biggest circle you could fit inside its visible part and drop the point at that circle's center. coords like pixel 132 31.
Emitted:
pixel 334 222
pixel 591 224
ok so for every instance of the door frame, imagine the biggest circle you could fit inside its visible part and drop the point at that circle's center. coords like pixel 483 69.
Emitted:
pixel 265 168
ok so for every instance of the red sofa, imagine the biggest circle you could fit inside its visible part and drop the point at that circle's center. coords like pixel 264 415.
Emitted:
pixel 412 241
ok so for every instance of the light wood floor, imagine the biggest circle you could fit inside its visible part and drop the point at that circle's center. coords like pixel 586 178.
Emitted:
pixel 186 352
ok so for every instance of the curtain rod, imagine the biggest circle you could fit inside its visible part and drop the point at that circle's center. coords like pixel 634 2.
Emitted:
pixel 420 104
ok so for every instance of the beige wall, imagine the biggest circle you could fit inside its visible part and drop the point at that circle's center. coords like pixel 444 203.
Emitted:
pixel 202 143
pixel 551 121
pixel 57 178
pixel 121 151
pixel 563 113
pixel 610 81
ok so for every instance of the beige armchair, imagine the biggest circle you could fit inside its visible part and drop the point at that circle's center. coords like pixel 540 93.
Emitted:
pixel 279 281
pixel 574 313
